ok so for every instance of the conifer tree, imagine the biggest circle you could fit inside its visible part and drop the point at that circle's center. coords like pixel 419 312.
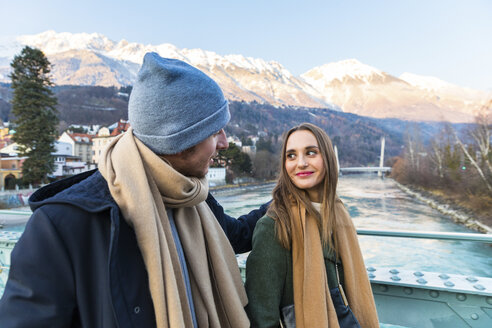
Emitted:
pixel 35 115
pixel 238 161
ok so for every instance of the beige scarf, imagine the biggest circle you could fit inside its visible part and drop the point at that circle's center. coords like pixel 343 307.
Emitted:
pixel 143 185
pixel 313 304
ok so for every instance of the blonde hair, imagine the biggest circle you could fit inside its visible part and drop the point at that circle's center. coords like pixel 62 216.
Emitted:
pixel 286 194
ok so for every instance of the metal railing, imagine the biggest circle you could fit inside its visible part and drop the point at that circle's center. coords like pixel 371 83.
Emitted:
pixel 16 212
pixel 458 236
pixel 366 169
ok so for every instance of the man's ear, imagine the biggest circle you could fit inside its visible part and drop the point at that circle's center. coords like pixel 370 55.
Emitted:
pixel 164 158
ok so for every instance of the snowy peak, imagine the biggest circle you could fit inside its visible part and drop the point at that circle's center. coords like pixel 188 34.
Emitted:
pixel 134 52
pixel 342 71
pixel 94 59
pixel 365 90
pixel 257 64
pixel 429 83
pixel 336 81
pixel 442 88
pixel 51 42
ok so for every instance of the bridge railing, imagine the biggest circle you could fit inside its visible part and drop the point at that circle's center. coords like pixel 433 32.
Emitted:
pixel 485 238
pixel 448 282
pixel 364 169
pixel 409 298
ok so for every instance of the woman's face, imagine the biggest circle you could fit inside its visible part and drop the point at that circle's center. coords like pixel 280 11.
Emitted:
pixel 304 163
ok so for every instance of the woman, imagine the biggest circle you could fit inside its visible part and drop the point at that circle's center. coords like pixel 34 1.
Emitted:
pixel 306 267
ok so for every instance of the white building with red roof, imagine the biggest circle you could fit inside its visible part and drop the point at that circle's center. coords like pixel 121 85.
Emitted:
pixel 104 136
pixel 81 144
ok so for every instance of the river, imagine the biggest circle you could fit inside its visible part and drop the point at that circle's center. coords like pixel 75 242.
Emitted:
pixel 377 203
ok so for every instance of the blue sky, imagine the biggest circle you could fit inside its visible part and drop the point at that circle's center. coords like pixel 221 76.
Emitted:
pixel 448 39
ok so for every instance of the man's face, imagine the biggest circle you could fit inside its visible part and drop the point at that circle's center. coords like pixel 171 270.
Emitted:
pixel 194 162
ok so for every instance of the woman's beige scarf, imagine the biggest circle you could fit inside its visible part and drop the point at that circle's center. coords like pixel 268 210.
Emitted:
pixel 313 304
pixel 143 185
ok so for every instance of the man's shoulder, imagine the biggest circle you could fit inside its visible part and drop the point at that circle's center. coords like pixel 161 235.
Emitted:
pixel 73 205
pixel 88 191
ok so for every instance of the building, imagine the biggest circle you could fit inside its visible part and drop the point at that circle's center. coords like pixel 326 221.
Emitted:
pixel 5 136
pixel 81 144
pixel 104 136
pixel 216 176
pixel 63 148
pixel 100 142
pixel 10 170
pixel 65 162
pixel 10 166
pixel 234 140
pixel 11 163
pixel 66 165
pixel 250 150
pixel 11 149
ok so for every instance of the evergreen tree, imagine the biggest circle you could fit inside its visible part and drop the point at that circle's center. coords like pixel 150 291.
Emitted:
pixel 239 162
pixel 35 115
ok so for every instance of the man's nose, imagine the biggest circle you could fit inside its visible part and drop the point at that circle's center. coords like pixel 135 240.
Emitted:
pixel 222 143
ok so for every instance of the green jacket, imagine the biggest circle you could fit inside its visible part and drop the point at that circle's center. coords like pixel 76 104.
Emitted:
pixel 269 282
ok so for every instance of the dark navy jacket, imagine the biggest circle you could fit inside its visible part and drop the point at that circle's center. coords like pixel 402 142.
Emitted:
pixel 77 264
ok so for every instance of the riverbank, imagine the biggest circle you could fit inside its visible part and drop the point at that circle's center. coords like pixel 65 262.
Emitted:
pixel 231 187
pixel 15 198
pixel 460 214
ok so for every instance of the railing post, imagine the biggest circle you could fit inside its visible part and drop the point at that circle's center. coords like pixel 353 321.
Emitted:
pixel 381 158
pixel 336 157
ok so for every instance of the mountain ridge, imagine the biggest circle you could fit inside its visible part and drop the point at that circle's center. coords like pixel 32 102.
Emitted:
pixel 349 85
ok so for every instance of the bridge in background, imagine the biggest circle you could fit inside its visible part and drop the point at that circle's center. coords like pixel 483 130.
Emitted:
pixel 379 169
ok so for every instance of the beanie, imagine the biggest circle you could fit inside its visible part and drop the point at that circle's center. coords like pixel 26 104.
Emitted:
pixel 174 106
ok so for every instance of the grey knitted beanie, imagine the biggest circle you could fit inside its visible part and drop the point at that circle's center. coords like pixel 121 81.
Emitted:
pixel 174 106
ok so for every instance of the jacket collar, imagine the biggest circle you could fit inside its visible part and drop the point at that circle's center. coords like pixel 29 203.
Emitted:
pixel 87 190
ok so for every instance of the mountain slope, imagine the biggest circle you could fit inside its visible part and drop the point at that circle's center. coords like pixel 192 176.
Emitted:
pixel 363 90
pixel 350 86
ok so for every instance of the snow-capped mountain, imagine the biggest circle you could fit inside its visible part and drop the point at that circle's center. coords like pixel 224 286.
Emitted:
pixel 51 42
pixel 365 90
pixel 441 88
pixel 345 70
pixel 336 80
pixel 93 59
pixel 351 86
pixel 448 95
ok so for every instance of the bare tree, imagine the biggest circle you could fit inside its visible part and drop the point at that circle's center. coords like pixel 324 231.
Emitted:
pixel 437 150
pixel 481 135
pixel 265 165
pixel 413 147
pixel 437 157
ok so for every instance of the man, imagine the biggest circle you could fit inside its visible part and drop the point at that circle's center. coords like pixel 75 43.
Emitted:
pixel 140 242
